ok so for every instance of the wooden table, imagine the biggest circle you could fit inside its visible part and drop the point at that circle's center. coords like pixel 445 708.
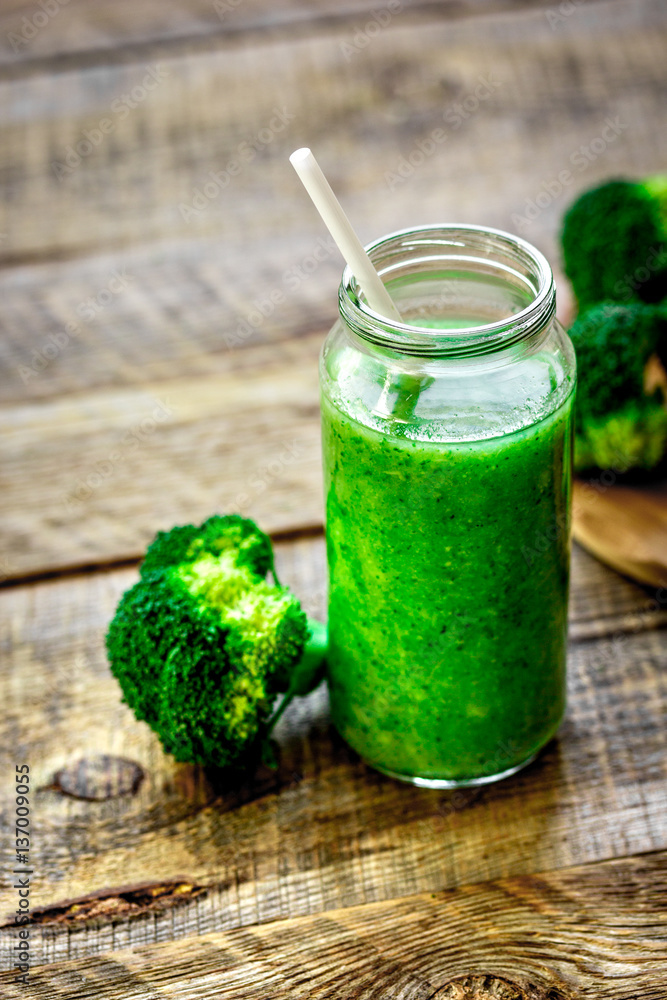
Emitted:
pixel 162 310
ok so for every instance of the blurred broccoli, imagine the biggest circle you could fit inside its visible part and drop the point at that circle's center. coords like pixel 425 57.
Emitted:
pixel 614 242
pixel 203 643
pixel 619 424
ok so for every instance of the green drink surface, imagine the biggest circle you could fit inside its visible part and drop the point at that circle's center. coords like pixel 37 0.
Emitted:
pixel 448 574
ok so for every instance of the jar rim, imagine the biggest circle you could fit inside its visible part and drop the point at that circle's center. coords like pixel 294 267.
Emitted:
pixel 406 338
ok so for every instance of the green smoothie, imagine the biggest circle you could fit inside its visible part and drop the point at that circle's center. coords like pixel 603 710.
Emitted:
pixel 448 567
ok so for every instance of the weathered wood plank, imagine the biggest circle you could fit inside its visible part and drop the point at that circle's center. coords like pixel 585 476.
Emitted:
pixel 323 831
pixel 602 603
pixel 593 931
pixel 111 27
pixel 88 479
pixel 543 94
pixel 158 312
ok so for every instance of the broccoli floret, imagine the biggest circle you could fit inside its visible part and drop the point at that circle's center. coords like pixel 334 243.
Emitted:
pixel 613 343
pixel 203 643
pixel 614 242
pixel 632 437
pixel 618 424
pixel 218 534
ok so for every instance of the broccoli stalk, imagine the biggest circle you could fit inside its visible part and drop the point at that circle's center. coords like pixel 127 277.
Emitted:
pixel 614 242
pixel 203 644
pixel 618 424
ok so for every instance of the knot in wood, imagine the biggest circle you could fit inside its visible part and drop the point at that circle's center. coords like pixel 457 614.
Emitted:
pixel 99 777
pixel 481 987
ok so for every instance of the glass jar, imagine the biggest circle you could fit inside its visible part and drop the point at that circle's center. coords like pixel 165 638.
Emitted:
pixel 447 443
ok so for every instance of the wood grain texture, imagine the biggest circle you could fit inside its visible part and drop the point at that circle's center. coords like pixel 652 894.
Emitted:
pixel 180 310
pixel 98 777
pixel 108 28
pixel 544 94
pixel 591 931
pixel 323 831
pixel 86 480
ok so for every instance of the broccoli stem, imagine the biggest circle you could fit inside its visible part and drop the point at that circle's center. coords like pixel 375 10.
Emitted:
pixel 308 672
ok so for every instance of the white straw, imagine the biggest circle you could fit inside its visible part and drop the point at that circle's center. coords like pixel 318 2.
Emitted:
pixel 339 226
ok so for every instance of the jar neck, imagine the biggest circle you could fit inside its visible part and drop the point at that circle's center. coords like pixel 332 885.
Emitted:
pixel 462 291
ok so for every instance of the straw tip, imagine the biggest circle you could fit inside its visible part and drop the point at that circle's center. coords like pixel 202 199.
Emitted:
pixel 300 155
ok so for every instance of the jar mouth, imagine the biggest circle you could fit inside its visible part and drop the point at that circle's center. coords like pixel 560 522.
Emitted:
pixel 490 270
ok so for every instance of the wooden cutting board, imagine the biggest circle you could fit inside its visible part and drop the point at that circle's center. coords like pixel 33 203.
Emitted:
pixel 625 527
